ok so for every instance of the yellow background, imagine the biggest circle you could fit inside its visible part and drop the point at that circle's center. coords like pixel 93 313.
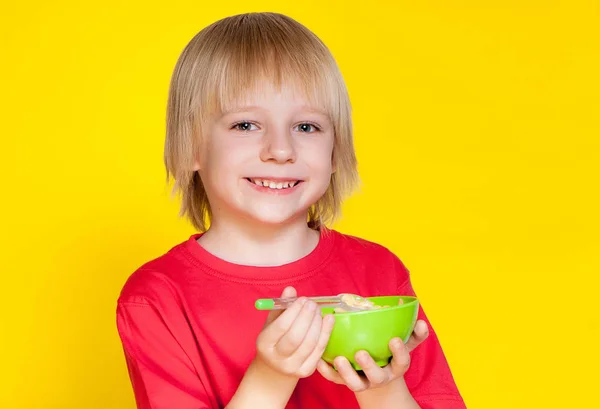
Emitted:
pixel 477 127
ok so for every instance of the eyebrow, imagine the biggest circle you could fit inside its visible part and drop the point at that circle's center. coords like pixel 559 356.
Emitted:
pixel 237 109
pixel 251 108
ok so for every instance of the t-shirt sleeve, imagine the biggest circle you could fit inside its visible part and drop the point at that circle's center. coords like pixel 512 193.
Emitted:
pixel 160 369
pixel 429 377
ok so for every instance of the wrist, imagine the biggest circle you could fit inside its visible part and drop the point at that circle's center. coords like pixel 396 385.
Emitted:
pixel 263 387
pixel 394 395
pixel 261 369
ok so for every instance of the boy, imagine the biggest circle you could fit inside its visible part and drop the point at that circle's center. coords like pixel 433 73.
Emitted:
pixel 259 143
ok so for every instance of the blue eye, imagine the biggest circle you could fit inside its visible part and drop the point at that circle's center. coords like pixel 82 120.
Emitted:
pixel 308 128
pixel 245 126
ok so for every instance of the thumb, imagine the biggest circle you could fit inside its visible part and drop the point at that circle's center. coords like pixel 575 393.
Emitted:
pixel 288 292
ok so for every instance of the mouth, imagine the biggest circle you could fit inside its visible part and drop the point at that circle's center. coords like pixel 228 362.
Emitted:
pixel 274 184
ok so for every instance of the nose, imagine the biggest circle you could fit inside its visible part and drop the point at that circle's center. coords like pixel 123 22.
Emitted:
pixel 278 146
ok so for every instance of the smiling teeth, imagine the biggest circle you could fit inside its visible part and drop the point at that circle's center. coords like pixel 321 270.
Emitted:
pixel 274 185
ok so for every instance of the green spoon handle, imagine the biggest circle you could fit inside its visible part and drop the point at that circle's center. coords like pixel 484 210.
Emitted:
pixel 273 303
pixel 283 303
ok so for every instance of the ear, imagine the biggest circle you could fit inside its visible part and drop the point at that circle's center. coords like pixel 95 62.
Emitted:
pixel 198 163
pixel 333 163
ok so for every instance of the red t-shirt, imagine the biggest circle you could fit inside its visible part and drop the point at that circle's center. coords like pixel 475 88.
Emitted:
pixel 188 324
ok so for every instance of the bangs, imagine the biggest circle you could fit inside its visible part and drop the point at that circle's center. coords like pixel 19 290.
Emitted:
pixel 237 87
pixel 287 57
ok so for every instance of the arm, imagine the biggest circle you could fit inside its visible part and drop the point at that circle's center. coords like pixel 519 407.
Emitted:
pixel 288 348
pixel 381 388
pixel 426 384
pixel 262 387
pixel 162 374
pixel 418 377
pixel 156 350
pixel 158 344
pixel 429 378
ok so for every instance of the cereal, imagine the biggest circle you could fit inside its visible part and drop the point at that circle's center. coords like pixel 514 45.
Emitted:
pixel 355 301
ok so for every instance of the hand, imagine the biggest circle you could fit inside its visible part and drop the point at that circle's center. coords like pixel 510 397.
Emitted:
pixel 294 339
pixel 375 376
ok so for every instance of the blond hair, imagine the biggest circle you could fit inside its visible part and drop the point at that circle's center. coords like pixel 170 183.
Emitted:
pixel 230 58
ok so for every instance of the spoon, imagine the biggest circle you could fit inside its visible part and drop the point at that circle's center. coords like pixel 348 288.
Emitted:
pixel 348 302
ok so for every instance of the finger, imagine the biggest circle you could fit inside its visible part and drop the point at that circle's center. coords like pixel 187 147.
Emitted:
pixel 288 292
pixel 297 332
pixel 349 375
pixel 329 373
pixel 326 326
pixel 376 375
pixel 278 328
pixel 420 334
pixel 401 358
pixel 312 336
pixel 304 350
pixel 303 354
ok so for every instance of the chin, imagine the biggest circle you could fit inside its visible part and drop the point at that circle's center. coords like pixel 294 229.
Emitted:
pixel 273 217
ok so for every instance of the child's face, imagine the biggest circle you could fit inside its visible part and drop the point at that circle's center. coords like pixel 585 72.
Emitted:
pixel 269 159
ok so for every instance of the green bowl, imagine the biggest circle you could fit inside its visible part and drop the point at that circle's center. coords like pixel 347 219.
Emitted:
pixel 371 330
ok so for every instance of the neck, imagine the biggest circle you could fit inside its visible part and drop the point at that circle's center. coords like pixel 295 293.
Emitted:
pixel 259 245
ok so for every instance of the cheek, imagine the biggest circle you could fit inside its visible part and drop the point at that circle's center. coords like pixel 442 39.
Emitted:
pixel 217 169
pixel 224 155
pixel 322 160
